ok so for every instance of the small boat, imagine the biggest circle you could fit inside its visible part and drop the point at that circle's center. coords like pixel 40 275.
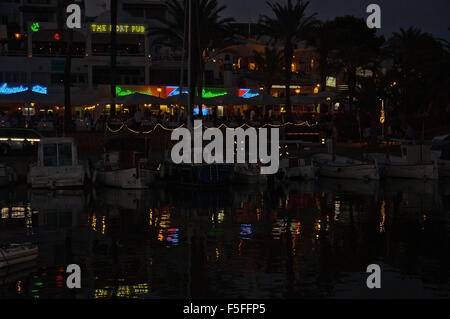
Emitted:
pixel 57 165
pixel 415 163
pixel 248 174
pixel 344 167
pixel 7 175
pixel 441 154
pixel 292 168
pixel 16 254
pixel 127 170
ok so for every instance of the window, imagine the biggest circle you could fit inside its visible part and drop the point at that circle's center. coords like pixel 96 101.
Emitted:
pixel 57 155
pixel 65 154
pixel 50 155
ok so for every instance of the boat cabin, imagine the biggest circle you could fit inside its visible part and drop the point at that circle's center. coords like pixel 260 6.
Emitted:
pixel 123 160
pixel 413 154
pixel 57 165
pixel 57 152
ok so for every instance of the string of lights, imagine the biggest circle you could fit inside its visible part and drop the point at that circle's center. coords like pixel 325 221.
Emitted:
pixel 158 125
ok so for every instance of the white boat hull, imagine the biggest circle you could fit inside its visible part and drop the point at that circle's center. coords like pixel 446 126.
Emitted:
pixel 127 178
pixel 19 255
pixel 56 177
pixel 7 176
pixel 413 171
pixel 4 181
pixel 352 171
pixel 302 172
pixel 444 168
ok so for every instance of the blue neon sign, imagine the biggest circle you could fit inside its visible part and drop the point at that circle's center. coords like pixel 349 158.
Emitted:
pixel 176 91
pixel 39 89
pixel 247 94
pixel 5 89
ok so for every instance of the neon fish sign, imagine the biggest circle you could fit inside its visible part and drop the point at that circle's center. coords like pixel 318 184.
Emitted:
pixel 247 94
pixel 174 90
pixel 39 89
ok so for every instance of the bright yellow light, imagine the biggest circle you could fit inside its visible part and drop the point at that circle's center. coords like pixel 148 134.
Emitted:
pixel 293 68
pixel 316 90
pixel 297 91
pixel 159 90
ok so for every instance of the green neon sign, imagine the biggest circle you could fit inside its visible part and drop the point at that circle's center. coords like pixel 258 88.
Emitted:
pixel 213 92
pixel 35 27
pixel 124 92
pixel 121 92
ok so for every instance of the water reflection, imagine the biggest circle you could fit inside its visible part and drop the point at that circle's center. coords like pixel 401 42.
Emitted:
pixel 289 241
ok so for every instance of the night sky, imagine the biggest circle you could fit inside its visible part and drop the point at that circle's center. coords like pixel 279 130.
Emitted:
pixel 431 16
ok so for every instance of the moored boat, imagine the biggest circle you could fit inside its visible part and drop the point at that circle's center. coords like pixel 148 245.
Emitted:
pixel 57 165
pixel 7 175
pixel 127 170
pixel 292 168
pixel 17 254
pixel 415 163
pixel 344 167
pixel 441 154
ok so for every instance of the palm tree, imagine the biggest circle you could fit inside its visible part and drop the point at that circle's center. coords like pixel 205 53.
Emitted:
pixel 113 55
pixel 355 47
pixel 323 40
pixel 269 66
pixel 61 8
pixel 210 32
pixel 290 25
pixel 420 66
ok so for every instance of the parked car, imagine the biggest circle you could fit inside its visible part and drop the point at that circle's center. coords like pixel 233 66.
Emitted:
pixel 18 139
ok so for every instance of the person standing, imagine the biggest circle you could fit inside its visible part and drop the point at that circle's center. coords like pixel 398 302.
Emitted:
pixel 138 118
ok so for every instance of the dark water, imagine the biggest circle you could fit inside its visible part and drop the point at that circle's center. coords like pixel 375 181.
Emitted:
pixel 296 240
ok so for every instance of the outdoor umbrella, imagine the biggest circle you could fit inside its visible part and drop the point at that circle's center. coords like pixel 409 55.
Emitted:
pixel 265 99
pixel 138 98
pixel 228 99
pixel 182 99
